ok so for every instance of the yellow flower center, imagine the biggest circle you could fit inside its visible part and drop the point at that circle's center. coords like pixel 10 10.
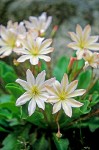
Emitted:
pixel 11 42
pixel 90 60
pixel 35 91
pixel 82 45
pixel 34 51
pixel 62 95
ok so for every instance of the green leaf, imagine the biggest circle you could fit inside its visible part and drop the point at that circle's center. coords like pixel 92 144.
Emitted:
pixel 7 102
pixel 94 124
pixel 4 68
pixel 10 106
pixel 61 144
pixel 85 108
pixel 61 68
pixel 10 143
pixel 95 99
pixel 3 130
pixel 38 119
pixel 43 65
pixel 5 98
pixel 15 90
pixel 5 113
pixel 9 77
pixel 78 64
pixel 41 144
pixel 84 79
pixel 7 73
pixel 95 88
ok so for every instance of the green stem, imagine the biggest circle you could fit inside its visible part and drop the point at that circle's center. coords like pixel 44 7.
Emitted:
pixel 58 126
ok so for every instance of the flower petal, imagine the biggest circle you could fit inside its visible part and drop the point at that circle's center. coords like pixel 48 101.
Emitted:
pixel 73 36
pixel 57 86
pixel 23 99
pixel 3 33
pixel 30 78
pixel 46 58
pixel 92 39
pixel 34 60
pixel 52 99
pixel 50 90
pixel 49 81
pixel 47 50
pixel 73 45
pixel 23 58
pixel 40 103
pixel 94 46
pixel 86 32
pixel 48 22
pixel 8 52
pixel 44 95
pixel 40 78
pixel 67 109
pixel 76 93
pixel 64 82
pixel 56 107
pixel 31 106
pixel 5 51
pixel 46 44
pixel 74 103
pixel 39 41
pixel 2 43
pixel 23 83
pixel 79 54
pixel 79 31
pixel 72 86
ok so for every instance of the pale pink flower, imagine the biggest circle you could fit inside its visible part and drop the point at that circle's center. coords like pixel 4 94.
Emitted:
pixel 40 23
pixel 35 49
pixel 83 40
pixel 62 95
pixel 91 59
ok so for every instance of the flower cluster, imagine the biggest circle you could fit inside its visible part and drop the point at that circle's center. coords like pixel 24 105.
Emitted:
pixel 24 41
pixel 27 40
pixel 83 42
pixel 39 91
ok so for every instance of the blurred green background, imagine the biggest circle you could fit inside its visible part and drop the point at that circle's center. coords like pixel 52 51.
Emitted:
pixel 66 14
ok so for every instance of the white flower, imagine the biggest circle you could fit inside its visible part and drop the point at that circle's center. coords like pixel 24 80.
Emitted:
pixel 35 49
pixel 91 59
pixel 35 91
pixel 7 41
pixel 19 29
pixel 12 25
pixel 40 24
pixel 62 95
pixel 83 40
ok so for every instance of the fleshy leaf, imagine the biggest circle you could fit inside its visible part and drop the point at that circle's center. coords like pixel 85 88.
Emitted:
pixel 61 144
pixel 84 79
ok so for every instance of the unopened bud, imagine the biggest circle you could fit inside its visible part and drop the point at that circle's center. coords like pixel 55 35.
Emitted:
pixel 15 62
pixel 59 135
pixel 72 60
pixel 54 30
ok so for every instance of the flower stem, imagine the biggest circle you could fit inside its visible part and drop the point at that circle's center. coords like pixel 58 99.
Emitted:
pixel 58 134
